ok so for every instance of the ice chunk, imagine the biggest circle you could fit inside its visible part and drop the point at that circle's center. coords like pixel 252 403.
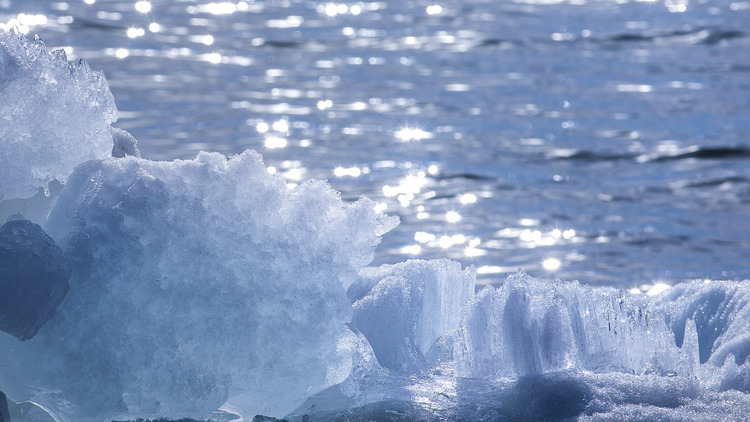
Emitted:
pixel 124 143
pixel 525 327
pixel 197 283
pixel 54 116
pixel 33 278
pixel 367 382
pixel 408 307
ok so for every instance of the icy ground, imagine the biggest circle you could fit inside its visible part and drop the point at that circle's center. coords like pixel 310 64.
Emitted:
pixel 197 285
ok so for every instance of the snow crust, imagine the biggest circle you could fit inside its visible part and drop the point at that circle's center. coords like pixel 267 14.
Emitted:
pixel 208 283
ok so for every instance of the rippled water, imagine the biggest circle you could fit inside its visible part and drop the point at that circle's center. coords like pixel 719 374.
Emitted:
pixel 605 141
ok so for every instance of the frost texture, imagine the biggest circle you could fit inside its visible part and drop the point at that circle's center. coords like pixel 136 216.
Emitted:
pixel 199 282
pixel 53 116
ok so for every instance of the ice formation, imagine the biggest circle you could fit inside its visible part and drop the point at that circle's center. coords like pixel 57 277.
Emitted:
pixel 537 350
pixel 205 279
pixel 209 283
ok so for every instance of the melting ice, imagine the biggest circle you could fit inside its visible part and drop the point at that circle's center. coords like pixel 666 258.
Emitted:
pixel 173 289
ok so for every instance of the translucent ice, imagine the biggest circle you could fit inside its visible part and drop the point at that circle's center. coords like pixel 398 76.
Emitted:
pixel 53 116
pixel 720 312
pixel 124 143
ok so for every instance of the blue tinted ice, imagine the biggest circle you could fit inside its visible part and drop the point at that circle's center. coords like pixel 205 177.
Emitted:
pixel 219 281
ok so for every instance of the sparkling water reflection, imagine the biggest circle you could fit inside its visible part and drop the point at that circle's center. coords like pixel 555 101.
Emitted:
pixel 599 140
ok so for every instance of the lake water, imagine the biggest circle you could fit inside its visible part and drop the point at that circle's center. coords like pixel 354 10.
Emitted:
pixel 603 141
